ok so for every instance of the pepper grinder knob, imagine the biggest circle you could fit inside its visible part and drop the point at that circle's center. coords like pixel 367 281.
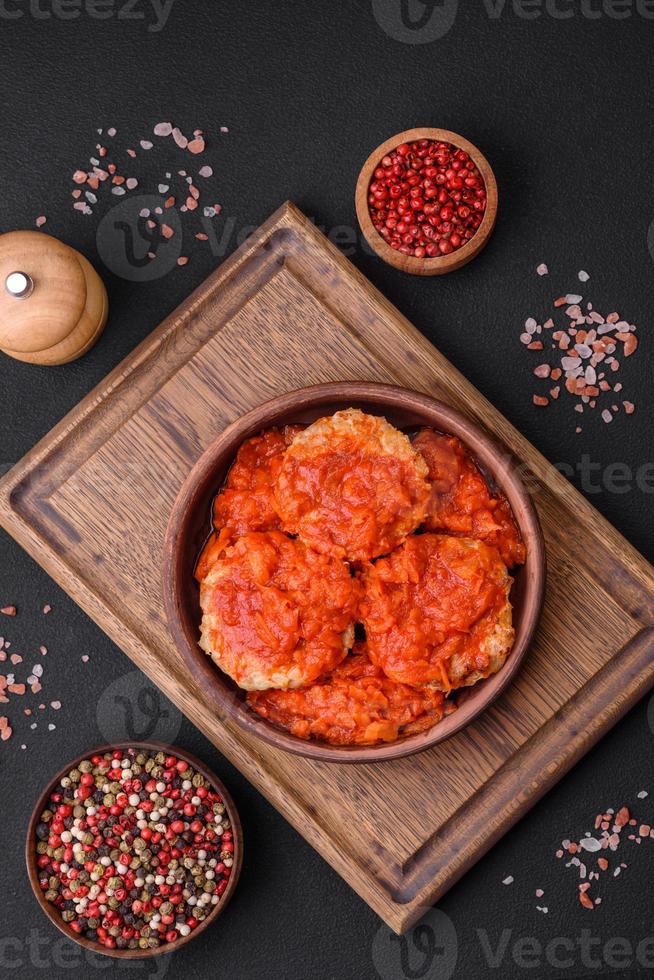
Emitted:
pixel 19 284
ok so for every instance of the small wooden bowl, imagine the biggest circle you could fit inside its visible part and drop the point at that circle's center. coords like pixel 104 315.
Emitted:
pixel 438 265
pixel 51 911
pixel 189 526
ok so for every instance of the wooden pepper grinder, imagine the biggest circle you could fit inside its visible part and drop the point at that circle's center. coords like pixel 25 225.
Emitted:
pixel 53 304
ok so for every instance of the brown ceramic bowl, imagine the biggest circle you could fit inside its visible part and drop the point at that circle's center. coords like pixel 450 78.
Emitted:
pixel 439 264
pixel 189 526
pixel 53 914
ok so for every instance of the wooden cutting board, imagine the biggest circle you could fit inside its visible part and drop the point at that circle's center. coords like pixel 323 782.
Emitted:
pixel 90 502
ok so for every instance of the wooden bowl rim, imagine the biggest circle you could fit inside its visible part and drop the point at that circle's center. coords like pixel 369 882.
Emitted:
pixel 54 915
pixel 227 702
pixel 437 265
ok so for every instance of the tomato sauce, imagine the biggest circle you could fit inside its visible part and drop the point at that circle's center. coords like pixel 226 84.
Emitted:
pixel 461 502
pixel 352 486
pixel 275 613
pixel 356 705
pixel 423 603
pixel 247 503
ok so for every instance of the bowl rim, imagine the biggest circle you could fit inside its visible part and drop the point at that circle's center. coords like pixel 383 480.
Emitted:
pixel 31 856
pixel 226 702
pixel 437 264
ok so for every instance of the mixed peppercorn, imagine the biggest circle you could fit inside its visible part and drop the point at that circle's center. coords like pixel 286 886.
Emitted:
pixel 135 849
pixel 427 198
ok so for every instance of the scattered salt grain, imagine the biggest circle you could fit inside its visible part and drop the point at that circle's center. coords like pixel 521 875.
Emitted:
pixel 85 658
pixel 206 171
pixel 583 276
pixel 163 129
pixel 40 221
pixel 508 880
pixel 542 269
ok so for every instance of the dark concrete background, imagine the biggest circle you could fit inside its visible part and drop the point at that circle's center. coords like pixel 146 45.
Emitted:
pixel 563 108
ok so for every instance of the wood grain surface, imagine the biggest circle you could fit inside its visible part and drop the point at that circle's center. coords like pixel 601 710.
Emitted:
pixel 90 502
